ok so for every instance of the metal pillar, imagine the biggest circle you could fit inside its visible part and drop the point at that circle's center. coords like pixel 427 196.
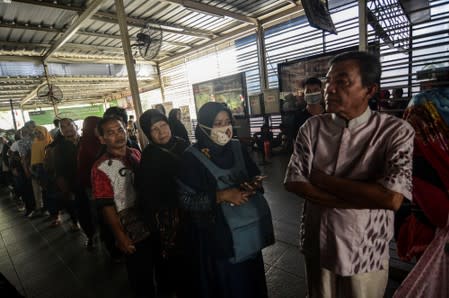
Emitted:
pixel 262 57
pixel 12 113
pixel 363 41
pixel 161 82
pixel 410 61
pixel 121 17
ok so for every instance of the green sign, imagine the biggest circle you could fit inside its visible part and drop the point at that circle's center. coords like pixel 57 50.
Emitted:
pixel 42 117
pixel 79 113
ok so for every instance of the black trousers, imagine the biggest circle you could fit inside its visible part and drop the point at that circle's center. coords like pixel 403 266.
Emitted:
pixel 140 267
pixel 85 214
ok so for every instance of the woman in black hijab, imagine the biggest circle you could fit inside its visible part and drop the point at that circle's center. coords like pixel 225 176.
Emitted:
pixel 212 240
pixel 177 128
pixel 157 192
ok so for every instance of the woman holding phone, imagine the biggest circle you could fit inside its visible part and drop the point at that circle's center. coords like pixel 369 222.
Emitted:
pixel 217 175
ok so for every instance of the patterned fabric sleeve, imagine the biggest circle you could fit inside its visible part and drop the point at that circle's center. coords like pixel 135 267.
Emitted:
pixel 399 160
pixel 300 164
pixel 101 185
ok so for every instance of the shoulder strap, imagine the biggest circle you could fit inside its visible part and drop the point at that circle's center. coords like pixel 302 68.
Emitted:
pixel 213 169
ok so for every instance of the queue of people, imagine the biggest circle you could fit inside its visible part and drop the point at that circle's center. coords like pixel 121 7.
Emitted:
pixel 191 220
pixel 170 230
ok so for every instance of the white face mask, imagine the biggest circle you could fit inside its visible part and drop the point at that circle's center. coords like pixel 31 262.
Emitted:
pixel 218 135
pixel 313 98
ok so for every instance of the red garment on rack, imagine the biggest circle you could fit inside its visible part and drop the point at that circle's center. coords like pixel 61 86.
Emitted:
pixel 432 143
pixel 432 200
pixel 413 239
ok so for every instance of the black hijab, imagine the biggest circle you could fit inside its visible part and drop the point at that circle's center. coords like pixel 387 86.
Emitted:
pixel 147 120
pixel 173 115
pixel 176 126
pixel 158 166
pixel 222 156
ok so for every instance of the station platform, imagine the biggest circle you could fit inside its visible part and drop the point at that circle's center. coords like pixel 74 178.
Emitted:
pixel 45 262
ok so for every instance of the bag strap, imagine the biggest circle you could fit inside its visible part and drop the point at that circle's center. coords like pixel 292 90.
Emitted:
pixel 211 167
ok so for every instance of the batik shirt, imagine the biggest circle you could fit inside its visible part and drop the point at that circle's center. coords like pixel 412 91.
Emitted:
pixel 372 147
pixel 113 184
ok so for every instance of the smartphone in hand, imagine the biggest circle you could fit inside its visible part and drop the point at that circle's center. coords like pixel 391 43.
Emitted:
pixel 254 184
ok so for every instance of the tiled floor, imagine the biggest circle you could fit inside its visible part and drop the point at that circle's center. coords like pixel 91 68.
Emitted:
pixel 52 262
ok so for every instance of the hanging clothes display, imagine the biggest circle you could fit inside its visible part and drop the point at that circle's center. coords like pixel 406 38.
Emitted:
pixel 425 232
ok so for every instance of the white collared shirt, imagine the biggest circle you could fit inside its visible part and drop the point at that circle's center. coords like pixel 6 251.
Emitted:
pixel 371 147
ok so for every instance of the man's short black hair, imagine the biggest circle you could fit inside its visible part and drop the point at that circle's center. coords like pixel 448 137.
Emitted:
pixel 369 65
pixel 117 111
pixel 56 122
pixel 311 81
pixel 105 120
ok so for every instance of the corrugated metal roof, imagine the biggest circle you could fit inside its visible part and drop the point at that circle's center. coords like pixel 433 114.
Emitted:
pixel 29 28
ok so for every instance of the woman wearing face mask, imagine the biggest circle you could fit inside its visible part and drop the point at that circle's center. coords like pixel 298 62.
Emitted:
pixel 211 238
pixel 158 197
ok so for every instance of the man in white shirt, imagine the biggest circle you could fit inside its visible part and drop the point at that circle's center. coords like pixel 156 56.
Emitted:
pixel 353 166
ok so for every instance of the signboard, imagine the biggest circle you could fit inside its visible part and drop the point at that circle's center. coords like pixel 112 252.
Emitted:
pixel 242 129
pixel 45 117
pixel 292 74
pixel 230 90
pixel 271 101
pixel 42 117
pixel 255 105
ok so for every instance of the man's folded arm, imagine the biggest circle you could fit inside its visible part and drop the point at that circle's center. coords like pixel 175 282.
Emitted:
pixel 317 195
pixel 369 195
